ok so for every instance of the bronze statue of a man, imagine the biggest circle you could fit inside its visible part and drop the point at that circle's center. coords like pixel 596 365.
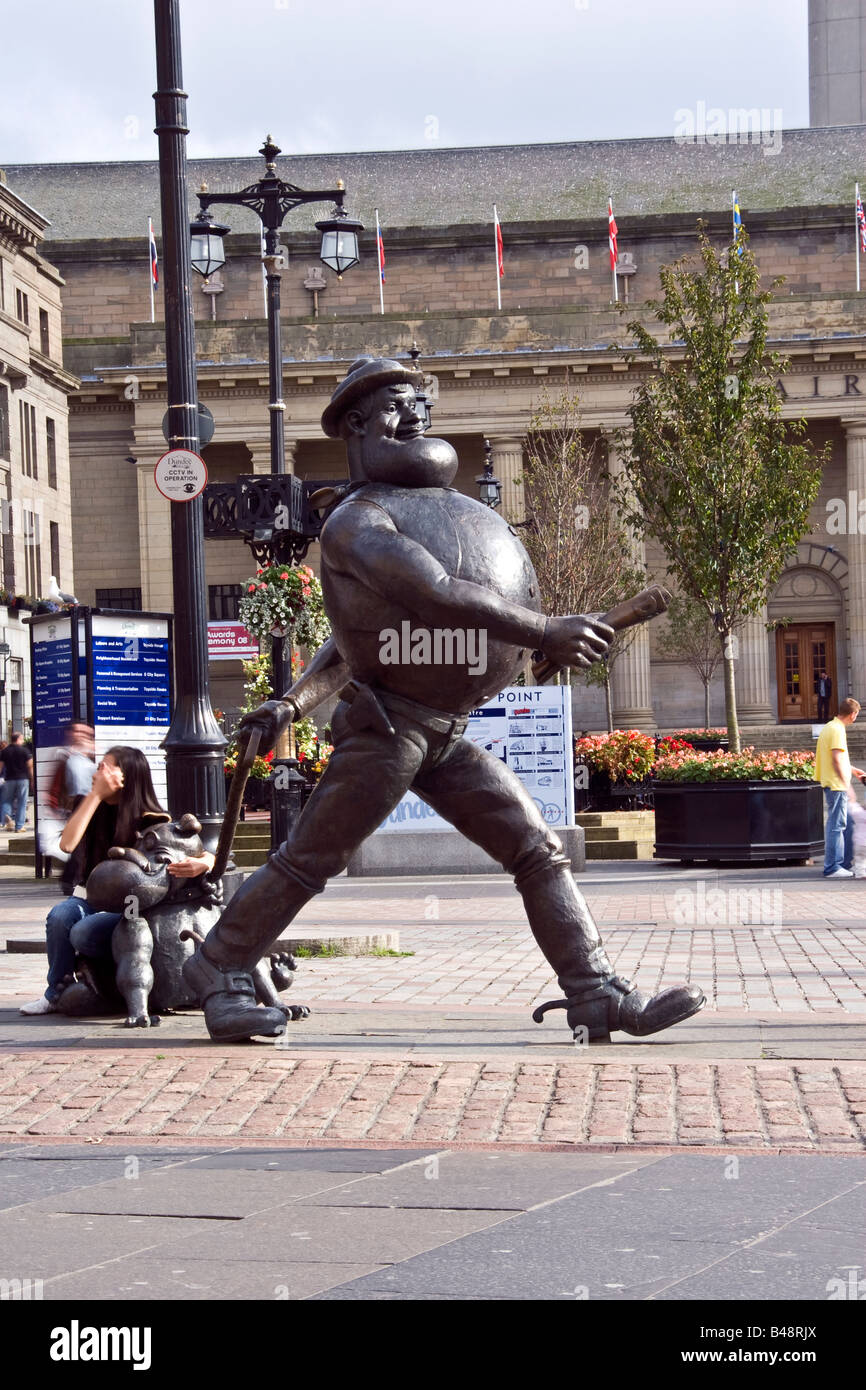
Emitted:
pixel 401 546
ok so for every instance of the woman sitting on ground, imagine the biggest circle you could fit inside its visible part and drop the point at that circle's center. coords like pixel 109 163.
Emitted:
pixel 121 803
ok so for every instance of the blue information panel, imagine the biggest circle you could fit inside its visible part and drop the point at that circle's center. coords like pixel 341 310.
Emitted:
pixel 130 680
pixel 119 678
pixel 52 683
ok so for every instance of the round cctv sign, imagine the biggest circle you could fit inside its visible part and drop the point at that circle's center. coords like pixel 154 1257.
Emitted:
pixel 180 475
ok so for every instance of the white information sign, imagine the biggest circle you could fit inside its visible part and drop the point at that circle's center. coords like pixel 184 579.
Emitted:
pixel 180 475
pixel 529 729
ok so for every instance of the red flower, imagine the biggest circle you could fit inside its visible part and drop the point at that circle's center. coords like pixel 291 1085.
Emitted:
pixel 284 575
pixel 251 588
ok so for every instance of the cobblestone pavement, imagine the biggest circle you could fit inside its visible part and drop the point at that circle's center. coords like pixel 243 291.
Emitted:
pixel 763 944
pixel 281 1094
pixel 778 941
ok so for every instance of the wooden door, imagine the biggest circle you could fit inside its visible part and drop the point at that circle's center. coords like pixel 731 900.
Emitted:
pixel 803 651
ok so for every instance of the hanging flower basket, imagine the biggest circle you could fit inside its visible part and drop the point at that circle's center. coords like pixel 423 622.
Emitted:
pixel 282 601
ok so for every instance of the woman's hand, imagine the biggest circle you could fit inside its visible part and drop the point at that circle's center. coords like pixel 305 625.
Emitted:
pixel 107 781
pixel 192 868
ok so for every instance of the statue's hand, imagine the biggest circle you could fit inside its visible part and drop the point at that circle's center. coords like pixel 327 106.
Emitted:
pixel 270 719
pixel 577 641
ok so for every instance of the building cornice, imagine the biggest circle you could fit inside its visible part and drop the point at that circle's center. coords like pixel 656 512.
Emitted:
pixel 19 222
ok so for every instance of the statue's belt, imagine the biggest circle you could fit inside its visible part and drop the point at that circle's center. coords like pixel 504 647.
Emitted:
pixel 370 709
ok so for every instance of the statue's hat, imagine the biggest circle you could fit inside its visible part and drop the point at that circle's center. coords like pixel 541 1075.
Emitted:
pixel 365 375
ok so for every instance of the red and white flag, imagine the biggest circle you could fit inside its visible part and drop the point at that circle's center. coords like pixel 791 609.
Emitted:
pixel 154 264
pixel 500 261
pixel 612 231
pixel 861 221
pixel 611 234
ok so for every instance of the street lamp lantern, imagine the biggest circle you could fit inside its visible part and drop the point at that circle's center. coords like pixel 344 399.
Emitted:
pixel 339 241
pixel 206 244
pixel 422 400
pixel 489 486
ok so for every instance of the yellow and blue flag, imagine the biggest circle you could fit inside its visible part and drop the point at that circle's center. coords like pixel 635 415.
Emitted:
pixel 738 221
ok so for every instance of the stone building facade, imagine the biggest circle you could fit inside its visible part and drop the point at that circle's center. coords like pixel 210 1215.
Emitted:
pixel 488 367
pixel 35 494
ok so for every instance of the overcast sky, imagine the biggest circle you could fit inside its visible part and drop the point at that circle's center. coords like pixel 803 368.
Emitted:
pixel 342 75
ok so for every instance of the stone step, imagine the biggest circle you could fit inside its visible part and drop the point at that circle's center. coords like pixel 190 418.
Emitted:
pixel 15 860
pixel 22 842
pixel 623 819
pixel 601 834
pixel 250 858
pixel 252 829
pixel 620 849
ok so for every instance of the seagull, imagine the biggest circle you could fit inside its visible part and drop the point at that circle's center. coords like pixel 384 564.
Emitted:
pixel 56 594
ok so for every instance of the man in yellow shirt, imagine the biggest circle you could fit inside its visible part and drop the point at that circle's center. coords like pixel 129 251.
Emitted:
pixel 833 770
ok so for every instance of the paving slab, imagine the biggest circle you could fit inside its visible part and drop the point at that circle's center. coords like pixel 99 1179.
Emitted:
pixel 208 1192
pixel 143 1279
pixel 25 1179
pixel 479 1182
pixel 645 1235
pixel 802 1261
pixel 39 1245
pixel 316 1235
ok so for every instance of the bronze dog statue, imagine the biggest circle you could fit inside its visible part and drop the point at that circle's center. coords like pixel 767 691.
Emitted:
pixel 163 916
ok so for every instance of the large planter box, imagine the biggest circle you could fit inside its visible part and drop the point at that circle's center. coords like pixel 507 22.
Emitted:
pixel 738 821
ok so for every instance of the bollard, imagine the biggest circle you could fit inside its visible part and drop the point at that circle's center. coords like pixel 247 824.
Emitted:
pixel 287 799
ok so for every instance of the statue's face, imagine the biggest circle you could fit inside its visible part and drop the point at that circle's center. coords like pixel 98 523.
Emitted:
pixel 393 446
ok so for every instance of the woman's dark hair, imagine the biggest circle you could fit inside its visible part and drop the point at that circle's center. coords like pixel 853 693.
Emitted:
pixel 137 796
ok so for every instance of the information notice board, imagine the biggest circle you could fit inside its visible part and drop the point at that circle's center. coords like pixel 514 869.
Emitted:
pixel 109 669
pixel 529 729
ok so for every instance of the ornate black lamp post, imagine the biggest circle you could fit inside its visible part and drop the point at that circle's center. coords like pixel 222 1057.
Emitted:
pixel 194 744
pixel 271 198
pixel 489 486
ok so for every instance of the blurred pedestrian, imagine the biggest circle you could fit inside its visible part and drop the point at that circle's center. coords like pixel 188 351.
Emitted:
pixel 833 770
pixel 18 772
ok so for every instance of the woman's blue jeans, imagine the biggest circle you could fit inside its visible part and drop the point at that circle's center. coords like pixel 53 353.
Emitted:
pixel 73 928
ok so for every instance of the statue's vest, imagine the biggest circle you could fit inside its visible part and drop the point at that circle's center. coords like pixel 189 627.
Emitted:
pixel 471 542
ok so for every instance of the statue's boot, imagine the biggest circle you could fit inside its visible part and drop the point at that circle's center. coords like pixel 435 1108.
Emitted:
pixel 596 998
pixel 220 973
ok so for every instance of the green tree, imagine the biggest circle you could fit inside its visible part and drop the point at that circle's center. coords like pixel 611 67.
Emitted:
pixel 578 549
pixel 691 637
pixel 715 474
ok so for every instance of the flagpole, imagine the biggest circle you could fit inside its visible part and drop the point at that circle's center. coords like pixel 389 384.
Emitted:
pixel 379 264
pixel 734 231
pixel 150 265
pixel 612 256
pixel 496 235
pixel 857 230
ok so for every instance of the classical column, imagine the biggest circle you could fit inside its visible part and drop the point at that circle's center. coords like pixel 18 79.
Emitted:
pixel 855 450
pixel 261 455
pixel 154 535
pixel 630 682
pixel 507 459
pixel 752 671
